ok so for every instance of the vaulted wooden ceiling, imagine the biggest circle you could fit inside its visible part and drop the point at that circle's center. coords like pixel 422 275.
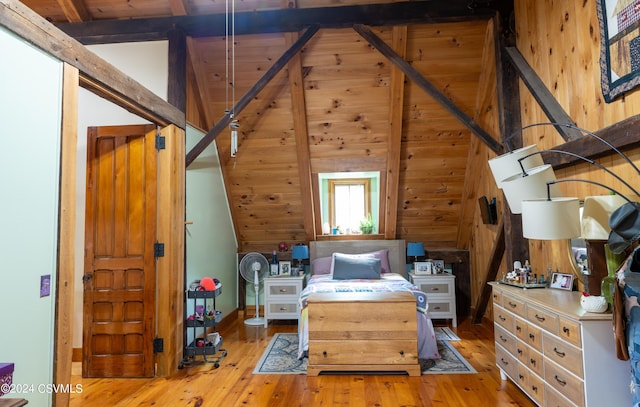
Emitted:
pixel 338 105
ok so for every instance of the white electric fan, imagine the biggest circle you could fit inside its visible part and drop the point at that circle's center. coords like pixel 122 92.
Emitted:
pixel 253 268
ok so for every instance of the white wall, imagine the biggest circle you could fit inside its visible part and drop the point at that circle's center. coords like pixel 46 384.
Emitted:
pixel 210 240
pixel 30 96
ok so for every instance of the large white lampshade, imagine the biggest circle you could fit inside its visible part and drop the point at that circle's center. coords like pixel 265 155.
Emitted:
pixel 507 164
pixel 595 215
pixel 518 188
pixel 551 219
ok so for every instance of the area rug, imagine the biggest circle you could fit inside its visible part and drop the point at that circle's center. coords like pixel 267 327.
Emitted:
pixel 281 357
pixel 444 333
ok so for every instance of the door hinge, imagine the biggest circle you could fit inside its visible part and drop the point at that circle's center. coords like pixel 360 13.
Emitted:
pixel 158 345
pixel 158 250
pixel 160 142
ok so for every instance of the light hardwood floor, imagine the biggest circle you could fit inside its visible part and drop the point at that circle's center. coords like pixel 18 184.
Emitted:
pixel 233 383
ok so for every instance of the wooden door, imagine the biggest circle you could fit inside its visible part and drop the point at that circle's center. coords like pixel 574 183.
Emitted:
pixel 120 232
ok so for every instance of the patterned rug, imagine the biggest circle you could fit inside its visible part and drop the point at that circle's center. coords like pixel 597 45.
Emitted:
pixel 281 357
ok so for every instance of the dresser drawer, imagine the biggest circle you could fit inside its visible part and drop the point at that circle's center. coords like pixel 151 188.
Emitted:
pixel 534 337
pixel 276 290
pixel 378 352
pixel 535 361
pixel 439 307
pixel 563 354
pixel 514 305
pixel 275 309
pixel 535 388
pixel 497 296
pixel 506 362
pixel 545 319
pixel 505 339
pixel 437 288
pixel 504 318
pixel 565 383
pixel 570 331
pixel 554 399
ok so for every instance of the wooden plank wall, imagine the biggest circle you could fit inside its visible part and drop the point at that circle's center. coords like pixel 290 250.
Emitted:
pixel 347 94
pixel 560 40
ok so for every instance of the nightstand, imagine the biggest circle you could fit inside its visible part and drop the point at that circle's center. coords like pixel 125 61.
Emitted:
pixel 441 294
pixel 281 297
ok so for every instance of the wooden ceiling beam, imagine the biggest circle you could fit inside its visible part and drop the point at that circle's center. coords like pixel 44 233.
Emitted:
pixel 74 10
pixel 272 21
pixel 428 87
pixel 251 93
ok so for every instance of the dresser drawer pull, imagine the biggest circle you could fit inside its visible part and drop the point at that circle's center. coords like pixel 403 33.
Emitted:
pixel 502 318
pixel 539 318
pixel 534 388
pixel 560 381
pixel 495 297
pixel 435 289
pixel 533 361
pixel 401 353
pixel 561 354
pixel 521 377
pixel 436 308
pixel 283 290
pixel 283 308
pixel 532 337
pixel 518 328
pixel 519 351
pixel 565 329
pixel 504 362
pixel 512 305
pixel 324 353
pixel 503 339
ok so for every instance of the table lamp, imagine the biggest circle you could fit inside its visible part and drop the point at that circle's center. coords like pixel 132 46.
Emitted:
pixel 300 253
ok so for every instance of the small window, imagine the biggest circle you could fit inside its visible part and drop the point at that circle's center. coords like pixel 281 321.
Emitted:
pixel 348 200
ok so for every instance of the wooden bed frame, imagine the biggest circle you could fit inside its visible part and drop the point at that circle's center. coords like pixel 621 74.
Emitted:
pixel 363 332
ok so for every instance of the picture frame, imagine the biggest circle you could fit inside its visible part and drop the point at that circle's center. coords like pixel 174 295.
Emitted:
pixel 423 267
pixel 438 266
pixel 285 268
pixel 561 281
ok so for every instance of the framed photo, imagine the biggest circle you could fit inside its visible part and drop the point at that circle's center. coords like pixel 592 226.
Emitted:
pixel 423 267
pixel 438 266
pixel 561 281
pixel 285 268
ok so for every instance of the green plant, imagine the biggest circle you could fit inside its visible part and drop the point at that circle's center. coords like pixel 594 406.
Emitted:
pixel 366 225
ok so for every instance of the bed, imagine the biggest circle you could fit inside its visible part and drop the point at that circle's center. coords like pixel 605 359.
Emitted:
pixel 363 324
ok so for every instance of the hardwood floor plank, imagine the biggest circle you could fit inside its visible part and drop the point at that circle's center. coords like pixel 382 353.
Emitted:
pixel 234 384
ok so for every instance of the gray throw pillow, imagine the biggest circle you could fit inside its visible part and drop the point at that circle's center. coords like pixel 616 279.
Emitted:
pixel 348 267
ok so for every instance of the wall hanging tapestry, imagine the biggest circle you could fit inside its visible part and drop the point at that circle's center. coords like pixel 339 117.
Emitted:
pixel 620 46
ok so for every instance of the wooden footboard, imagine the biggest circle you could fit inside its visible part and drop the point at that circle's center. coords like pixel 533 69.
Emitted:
pixel 367 332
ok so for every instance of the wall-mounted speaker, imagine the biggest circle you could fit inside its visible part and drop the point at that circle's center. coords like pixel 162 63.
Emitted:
pixel 488 210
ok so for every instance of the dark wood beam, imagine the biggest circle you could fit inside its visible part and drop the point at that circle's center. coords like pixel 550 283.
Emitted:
pixel 271 21
pixel 623 135
pixel 251 93
pixel 541 94
pixel 428 87
pixel 177 86
pixel 96 74
pixel 494 264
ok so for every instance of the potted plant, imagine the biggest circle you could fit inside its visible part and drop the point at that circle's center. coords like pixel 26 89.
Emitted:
pixel 366 225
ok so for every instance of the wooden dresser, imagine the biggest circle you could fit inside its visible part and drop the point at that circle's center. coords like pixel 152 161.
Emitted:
pixel 363 332
pixel 557 353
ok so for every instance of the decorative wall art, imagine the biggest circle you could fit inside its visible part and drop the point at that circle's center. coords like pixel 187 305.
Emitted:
pixel 620 46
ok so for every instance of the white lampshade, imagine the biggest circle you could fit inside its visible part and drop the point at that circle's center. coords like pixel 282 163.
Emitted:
pixel 595 215
pixel 554 219
pixel 507 164
pixel 518 188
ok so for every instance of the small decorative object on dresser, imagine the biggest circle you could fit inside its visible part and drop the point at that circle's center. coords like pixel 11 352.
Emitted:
pixel 562 281
pixel 423 267
pixel 285 268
